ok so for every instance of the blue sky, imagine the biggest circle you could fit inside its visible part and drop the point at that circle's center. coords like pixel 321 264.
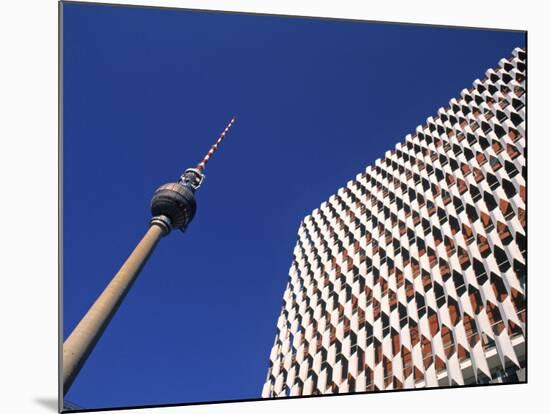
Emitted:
pixel 146 92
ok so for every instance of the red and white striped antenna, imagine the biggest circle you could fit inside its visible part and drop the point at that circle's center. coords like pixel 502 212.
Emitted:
pixel 214 147
pixel 194 176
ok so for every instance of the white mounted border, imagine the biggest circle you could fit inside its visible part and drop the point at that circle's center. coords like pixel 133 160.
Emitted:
pixel 28 153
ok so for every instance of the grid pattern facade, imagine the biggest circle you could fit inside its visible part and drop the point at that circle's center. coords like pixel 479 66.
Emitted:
pixel 413 275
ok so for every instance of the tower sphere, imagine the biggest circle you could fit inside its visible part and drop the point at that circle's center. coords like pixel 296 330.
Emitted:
pixel 176 201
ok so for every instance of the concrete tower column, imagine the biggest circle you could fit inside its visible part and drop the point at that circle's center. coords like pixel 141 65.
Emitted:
pixel 85 335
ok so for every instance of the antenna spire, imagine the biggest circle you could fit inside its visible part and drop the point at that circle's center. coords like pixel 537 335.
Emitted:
pixel 214 147
pixel 194 177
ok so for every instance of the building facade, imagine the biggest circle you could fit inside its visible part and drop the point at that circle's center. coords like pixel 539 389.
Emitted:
pixel 414 274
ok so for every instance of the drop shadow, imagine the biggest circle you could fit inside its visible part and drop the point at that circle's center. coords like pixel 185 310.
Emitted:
pixel 49 403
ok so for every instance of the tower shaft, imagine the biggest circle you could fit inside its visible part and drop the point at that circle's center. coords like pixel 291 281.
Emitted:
pixel 85 335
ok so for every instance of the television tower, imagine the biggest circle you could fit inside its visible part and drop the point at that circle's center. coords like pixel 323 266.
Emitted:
pixel 173 207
